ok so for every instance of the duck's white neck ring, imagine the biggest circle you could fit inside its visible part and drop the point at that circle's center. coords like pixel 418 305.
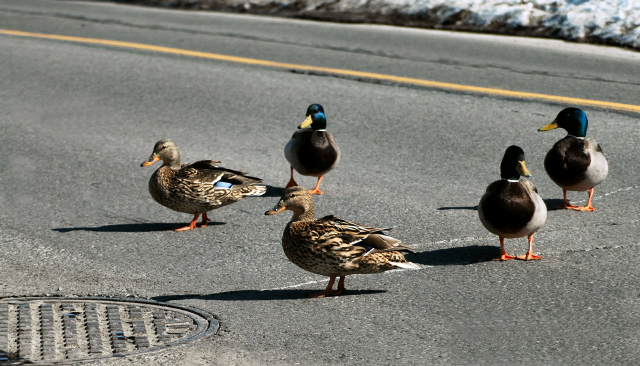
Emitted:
pixel 577 137
pixel 512 180
pixel 321 129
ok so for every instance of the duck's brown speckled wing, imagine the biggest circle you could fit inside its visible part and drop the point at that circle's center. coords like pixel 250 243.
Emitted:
pixel 317 247
pixel 366 236
pixel 334 247
pixel 207 172
pixel 197 187
pixel 349 228
pixel 200 172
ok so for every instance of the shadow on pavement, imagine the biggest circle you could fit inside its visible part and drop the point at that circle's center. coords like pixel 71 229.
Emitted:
pixel 131 228
pixel 475 208
pixel 253 295
pixel 552 204
pixel 273 191
pixel 456 256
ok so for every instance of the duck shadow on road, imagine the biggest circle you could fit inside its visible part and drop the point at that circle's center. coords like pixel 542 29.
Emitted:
pixel 475 208
pixel 257 295
pixel 554 204
pixel 456 256
pixel 273 191
pixel 551 203
pixel 132 228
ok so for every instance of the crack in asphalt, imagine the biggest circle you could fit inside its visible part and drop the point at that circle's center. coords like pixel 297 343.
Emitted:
pixel 360 51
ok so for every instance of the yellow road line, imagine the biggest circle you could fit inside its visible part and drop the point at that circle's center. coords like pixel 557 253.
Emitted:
pixel 352 73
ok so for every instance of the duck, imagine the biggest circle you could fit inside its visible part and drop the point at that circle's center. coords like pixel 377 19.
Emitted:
pixel 196 188
pixel 334 247
pixel 511 207
pixel 576 162
pixel 312 151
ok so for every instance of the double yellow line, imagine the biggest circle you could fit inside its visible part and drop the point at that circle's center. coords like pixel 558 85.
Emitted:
pixel 350 73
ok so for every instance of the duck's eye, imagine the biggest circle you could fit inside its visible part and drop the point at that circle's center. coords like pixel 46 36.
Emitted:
pixel 292 195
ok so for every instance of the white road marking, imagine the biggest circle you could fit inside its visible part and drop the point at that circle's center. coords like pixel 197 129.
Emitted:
pixel 609 193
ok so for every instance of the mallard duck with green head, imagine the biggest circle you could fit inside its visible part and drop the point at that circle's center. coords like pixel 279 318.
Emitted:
pixel 576 162
pixel 312 150
pixel 196 188
pixel 334 247
pixel 511 206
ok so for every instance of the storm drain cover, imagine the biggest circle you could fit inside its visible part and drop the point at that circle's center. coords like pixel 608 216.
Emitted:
pixel 66 330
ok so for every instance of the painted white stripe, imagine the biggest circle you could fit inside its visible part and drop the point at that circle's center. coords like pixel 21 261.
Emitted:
pixel 609 193
pixel 297 285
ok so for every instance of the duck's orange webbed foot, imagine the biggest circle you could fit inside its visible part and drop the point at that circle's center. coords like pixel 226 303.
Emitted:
pixel 567 205
pixel 329 290
pixel 192 224
pixel 504 257
pixel 588 208
pixel 529 256
pixel 341 288
pixel 316 190
pixel 205 220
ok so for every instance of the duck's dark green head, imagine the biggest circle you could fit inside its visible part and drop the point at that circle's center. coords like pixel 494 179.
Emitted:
pixel 315 118
pixel 513 165
pixel 573 120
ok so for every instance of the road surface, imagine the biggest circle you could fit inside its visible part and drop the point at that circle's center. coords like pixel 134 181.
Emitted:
pixel 77 119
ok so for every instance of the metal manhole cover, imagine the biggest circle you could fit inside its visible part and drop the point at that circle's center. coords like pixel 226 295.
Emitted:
pixel 66 330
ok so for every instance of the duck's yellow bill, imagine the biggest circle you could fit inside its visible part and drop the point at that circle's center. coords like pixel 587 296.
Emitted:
pixel 152 159
pixel 551 126
pixel 306 123
pixel 522 169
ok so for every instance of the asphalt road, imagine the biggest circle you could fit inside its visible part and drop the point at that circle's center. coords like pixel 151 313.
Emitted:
pixel 76 219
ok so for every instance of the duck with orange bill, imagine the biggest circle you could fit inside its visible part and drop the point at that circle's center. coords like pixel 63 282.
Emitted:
pixel 196 188
pixel 334 247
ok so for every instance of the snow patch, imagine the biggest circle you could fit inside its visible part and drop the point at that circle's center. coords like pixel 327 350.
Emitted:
pixel 597 21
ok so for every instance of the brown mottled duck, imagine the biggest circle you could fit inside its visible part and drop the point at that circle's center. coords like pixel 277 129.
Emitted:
pixel 196 188
pixel 334 247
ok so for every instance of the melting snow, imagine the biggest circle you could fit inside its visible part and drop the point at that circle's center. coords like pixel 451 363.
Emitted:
pixel 600 21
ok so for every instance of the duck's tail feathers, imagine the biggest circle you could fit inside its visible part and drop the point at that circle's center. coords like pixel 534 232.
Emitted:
pixel 407 265
pixel 254 190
